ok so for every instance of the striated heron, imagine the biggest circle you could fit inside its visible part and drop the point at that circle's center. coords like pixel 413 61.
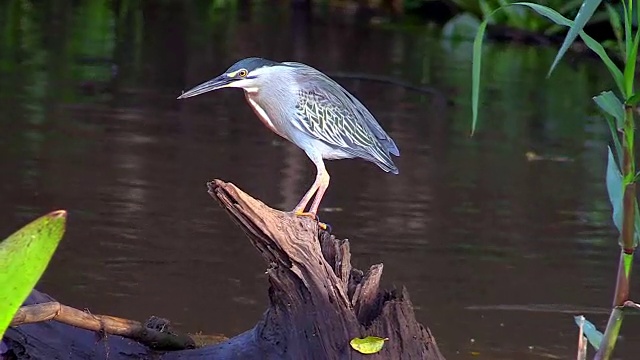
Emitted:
pixel 306 107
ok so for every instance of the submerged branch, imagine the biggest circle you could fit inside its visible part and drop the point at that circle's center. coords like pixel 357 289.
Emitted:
pixel 391 81
pixel 154 334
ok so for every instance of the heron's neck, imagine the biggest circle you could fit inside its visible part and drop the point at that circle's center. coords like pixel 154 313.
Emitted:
pixel 261 112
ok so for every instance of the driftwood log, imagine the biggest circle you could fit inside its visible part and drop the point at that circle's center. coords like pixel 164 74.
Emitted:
pixel 318 303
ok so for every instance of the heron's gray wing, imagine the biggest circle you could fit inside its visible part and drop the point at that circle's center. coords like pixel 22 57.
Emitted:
pixel 324 117
pixel 314 80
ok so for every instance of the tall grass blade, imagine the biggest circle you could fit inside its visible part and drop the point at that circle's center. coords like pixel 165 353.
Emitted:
pixel 585 13
pixel 475 73
pixel 24 256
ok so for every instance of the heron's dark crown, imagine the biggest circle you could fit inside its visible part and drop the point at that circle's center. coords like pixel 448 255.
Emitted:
pixel 251 64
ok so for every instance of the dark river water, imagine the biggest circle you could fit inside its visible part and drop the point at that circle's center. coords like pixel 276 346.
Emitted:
pixel 498 250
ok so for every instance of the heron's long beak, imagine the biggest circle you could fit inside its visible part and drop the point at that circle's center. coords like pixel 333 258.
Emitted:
pixel 214 84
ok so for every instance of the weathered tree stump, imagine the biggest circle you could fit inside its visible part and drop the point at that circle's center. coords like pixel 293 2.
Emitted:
pixel 318 302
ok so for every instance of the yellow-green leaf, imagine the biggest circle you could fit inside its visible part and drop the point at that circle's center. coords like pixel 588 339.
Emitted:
pixel 368 345
pixel 24 256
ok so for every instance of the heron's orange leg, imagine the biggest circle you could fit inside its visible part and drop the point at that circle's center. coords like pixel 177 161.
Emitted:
pixel 320 185
pixel 305 199
pixel 322 188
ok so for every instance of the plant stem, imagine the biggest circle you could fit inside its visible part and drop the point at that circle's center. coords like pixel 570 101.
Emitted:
pixel 628 232
pixel 611 335
pixel 628 209
pixel 628 175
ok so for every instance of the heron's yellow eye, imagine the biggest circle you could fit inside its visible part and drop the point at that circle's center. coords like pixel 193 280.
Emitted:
pixel 243 73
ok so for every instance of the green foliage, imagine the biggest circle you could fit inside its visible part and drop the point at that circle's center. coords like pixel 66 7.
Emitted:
pixel 619 114
pixel 551 15
pixel 368 345
pixel 519 18
pixel 24 256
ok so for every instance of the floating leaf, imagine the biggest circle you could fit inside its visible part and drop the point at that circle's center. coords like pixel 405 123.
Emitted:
pixel 24 256
pixel 368 345
pixel 589 330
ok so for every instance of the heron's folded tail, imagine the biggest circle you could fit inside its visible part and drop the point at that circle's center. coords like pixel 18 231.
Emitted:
pixel 387 165
pixel 391 146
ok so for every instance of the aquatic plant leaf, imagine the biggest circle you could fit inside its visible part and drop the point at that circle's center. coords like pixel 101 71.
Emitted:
pixel 633 100
pixel 585 13
pixel 609 103
pixel 368 345
pixel 589 330
pixel 24 256
pixel 614 114
pixel 614 188
pixel 614 135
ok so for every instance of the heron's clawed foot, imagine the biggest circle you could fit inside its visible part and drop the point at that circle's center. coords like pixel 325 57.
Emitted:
pixel 315 217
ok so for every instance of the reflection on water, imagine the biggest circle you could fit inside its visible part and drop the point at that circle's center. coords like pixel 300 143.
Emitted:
pixel 90 124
